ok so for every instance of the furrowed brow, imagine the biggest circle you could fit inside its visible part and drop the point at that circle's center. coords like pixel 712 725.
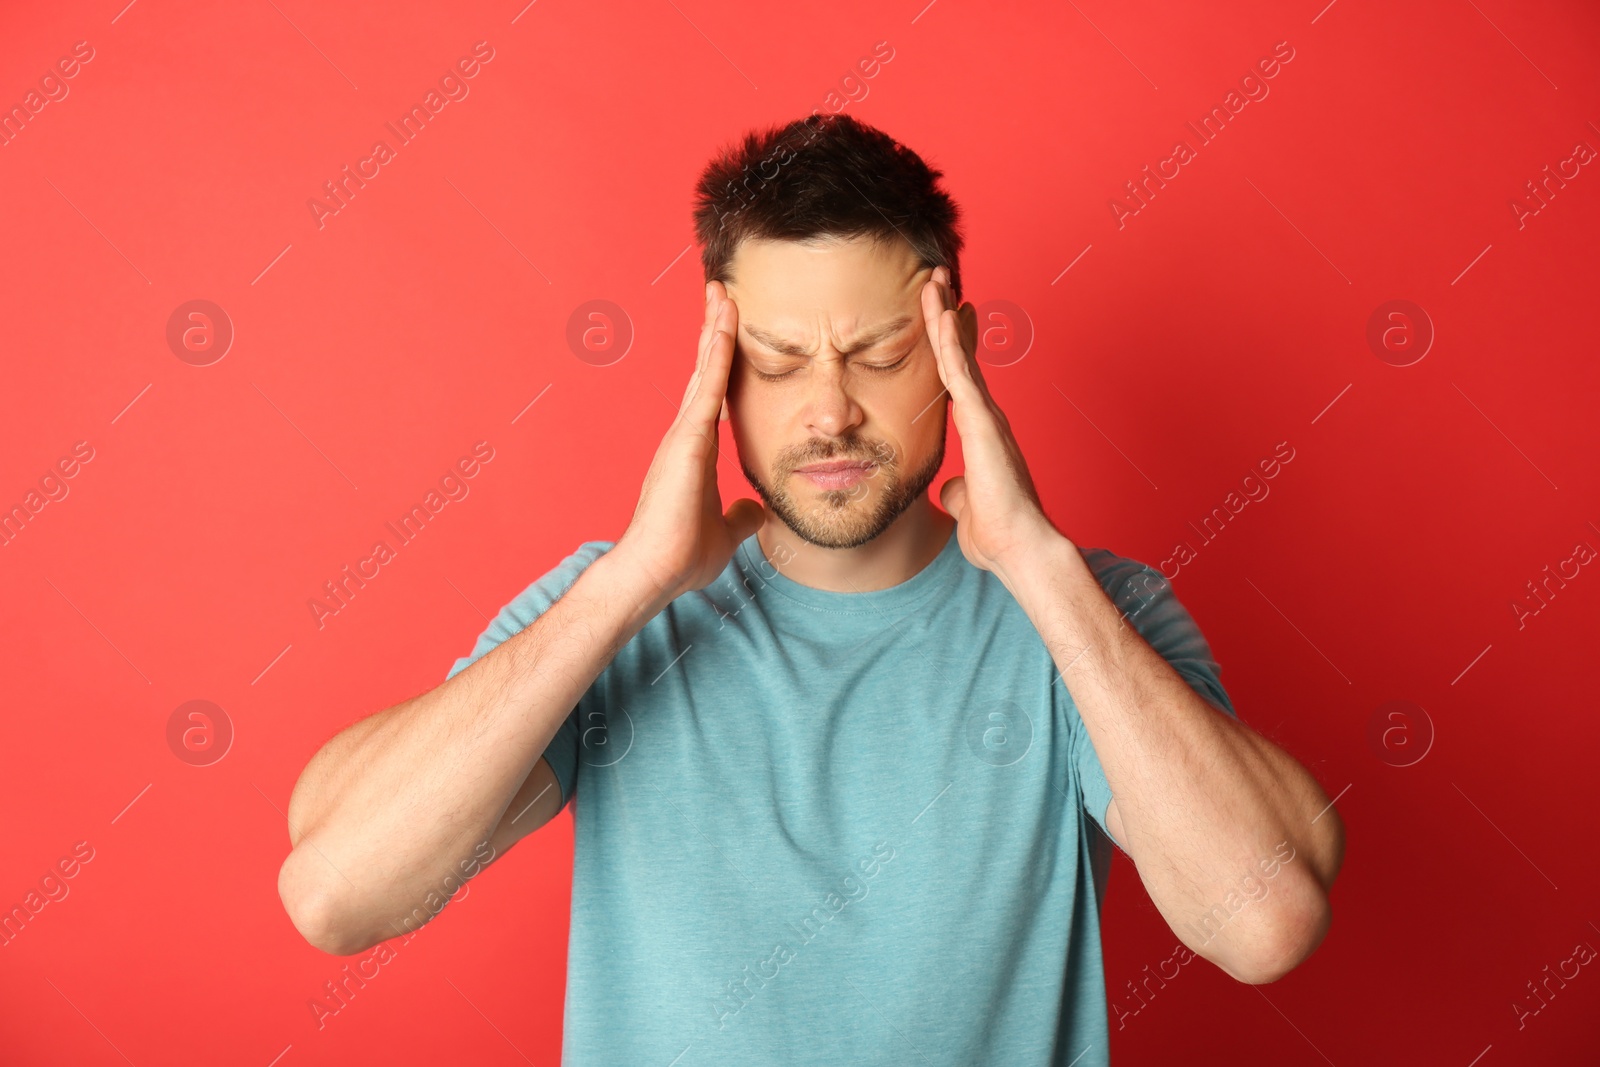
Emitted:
pixel 871 337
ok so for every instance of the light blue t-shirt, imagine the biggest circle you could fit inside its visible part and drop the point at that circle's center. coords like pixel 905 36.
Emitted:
pixel 827 828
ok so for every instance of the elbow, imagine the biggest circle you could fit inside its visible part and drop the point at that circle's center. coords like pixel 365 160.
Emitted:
pixel 1323 848
pixel 316 911
pixel 1305 913
pixel 1299 933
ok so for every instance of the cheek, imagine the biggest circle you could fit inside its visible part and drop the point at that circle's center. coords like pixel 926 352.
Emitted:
pixel 895 421
pixel 745 401
pixel 754 419
pixel 918 405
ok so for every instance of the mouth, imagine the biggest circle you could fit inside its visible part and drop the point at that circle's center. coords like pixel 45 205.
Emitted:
pixel 836 474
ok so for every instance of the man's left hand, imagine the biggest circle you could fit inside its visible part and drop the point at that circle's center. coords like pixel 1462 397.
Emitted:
pixel 1000 521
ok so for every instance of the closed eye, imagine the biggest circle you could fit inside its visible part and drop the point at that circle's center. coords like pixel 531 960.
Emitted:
pixel 879 367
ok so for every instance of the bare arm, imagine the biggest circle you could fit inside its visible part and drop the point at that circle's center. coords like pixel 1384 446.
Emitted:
pixel 392 812
pixel 536 803
pixel 399 805
pixel 1202 800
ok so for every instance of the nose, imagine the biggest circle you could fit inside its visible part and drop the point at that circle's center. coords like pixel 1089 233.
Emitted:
pixel 830 410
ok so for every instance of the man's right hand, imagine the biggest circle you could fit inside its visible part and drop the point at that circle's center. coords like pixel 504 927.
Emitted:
pixel 679 537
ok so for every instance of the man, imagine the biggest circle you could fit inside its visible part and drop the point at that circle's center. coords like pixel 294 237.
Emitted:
pixel 843 764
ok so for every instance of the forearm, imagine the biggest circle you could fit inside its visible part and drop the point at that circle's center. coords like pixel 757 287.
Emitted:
pixel 1205 802
pixel 396 803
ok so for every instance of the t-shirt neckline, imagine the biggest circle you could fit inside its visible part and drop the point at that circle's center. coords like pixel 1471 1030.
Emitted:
pixel 762 576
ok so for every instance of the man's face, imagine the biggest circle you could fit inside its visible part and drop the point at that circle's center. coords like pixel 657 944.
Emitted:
pixel 834 366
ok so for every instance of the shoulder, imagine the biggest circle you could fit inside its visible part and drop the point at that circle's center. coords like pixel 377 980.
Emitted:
pixel 1145 598
pixel 1106 562
pixel 587 553
pixel 534 600
pixel 1116 572
pixel 545 589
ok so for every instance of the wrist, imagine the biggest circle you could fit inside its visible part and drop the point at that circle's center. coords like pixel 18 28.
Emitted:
pixel 640 579
pixel 1030 558
pixel 1036 567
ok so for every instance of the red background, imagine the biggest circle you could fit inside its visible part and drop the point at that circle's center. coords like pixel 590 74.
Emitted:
pixel 371 353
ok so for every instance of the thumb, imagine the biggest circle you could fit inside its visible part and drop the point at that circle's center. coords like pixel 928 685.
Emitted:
pixel 953 496
pixel 744 517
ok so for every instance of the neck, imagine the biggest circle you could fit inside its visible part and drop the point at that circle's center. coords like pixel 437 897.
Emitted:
pixel 909 544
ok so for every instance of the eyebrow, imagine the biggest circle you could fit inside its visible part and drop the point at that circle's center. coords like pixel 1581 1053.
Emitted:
pixel 874 336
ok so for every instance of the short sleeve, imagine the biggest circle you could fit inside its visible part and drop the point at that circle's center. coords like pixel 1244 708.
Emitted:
pixel 516 616
pixel 1146 599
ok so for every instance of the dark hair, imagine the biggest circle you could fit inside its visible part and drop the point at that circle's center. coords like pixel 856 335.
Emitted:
pixel 823 176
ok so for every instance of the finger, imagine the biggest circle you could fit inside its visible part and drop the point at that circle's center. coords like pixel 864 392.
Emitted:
pixel 689 391
pixel 945 336
pixel 969 360
pixel 931 310
pixel 953 496
pixel 724 349
pixel 962 363
pixel 744 517
pixel 712 380
pixel 716 296
pixel 713 305
pixel 941 275
pixel 973 363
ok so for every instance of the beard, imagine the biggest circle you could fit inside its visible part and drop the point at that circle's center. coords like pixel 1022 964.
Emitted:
pixel 845 518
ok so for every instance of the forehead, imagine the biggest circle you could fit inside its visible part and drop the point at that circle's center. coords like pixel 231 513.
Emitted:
pixel 850 282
